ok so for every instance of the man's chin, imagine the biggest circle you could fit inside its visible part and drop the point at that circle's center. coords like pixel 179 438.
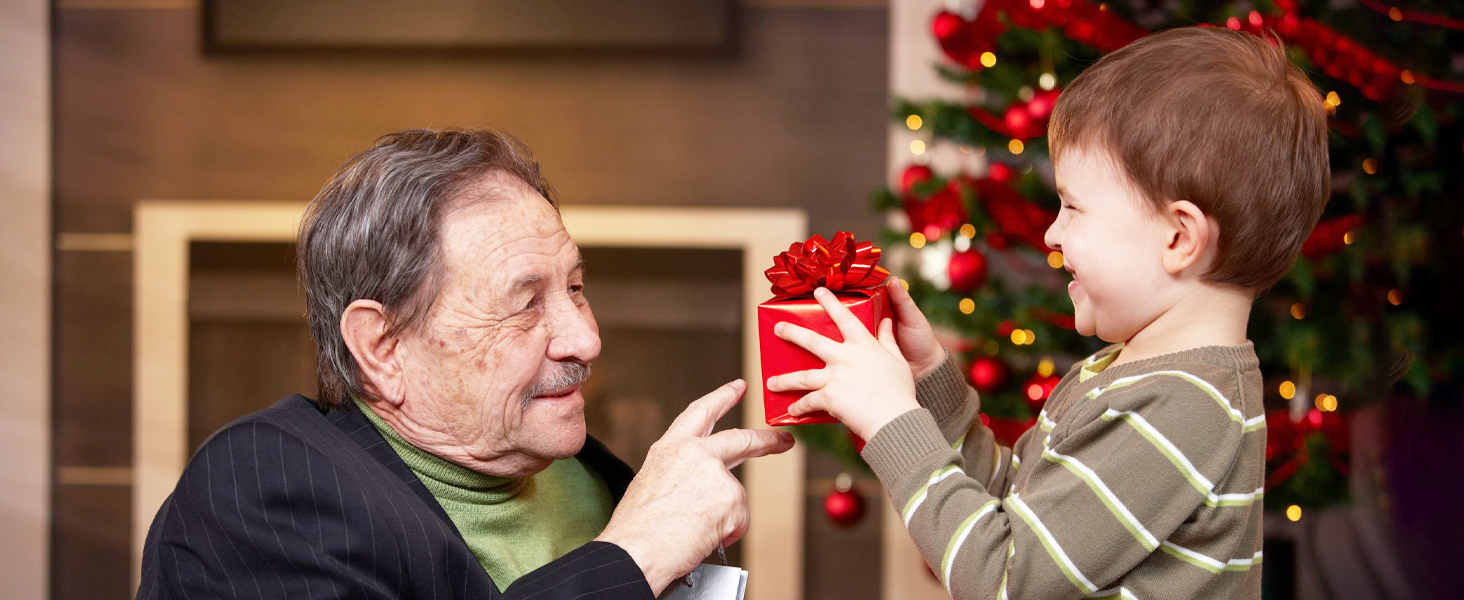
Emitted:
pixel 555 426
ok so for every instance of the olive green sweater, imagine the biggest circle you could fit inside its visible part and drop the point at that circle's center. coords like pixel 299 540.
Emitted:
pixel 513 526
pixel 1141 481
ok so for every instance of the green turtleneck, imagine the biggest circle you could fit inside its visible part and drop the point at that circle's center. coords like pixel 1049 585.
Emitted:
pixel 513 526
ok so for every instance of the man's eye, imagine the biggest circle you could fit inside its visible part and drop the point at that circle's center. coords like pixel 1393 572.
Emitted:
pixel 576 289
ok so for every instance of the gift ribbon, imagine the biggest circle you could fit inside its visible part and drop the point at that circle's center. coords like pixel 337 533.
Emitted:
pixel 840 264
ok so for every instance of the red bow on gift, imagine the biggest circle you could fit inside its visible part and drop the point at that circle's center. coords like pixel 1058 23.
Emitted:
pixel 840 264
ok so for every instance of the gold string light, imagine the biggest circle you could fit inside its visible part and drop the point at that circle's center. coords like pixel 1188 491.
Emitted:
pixel 914 122
pixel 917 147
pixel 1288 390
pixel 1045 367
pixel 1016 146
pixel 968 306
pixel 988 59
pixel 1054 259
pixel 1293 513
pixel 917 240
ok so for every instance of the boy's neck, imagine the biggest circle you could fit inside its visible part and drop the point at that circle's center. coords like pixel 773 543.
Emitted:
pixel 1209 316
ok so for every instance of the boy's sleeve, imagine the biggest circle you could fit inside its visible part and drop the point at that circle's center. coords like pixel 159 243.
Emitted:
pixel 1105 496
pixel 954 405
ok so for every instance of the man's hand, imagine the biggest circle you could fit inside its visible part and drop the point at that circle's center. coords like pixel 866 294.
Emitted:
pixel 685 500
pixel 915 336
pixel 865 382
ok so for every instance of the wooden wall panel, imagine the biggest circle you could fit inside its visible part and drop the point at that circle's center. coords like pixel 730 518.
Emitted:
pixel 93 370
pixel 90 553
pixel 796 117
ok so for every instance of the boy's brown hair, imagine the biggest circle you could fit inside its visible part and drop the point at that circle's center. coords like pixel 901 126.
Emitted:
pixel 1217 117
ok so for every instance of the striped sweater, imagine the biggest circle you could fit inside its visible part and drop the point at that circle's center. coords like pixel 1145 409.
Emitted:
pixel 1143 481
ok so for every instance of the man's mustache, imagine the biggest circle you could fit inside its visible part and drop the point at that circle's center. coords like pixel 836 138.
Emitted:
pixel 567 375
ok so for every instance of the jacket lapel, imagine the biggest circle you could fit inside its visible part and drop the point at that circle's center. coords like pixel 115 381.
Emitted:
pixel 356 426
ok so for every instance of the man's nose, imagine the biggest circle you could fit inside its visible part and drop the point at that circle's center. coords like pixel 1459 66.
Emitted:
pixel 575 336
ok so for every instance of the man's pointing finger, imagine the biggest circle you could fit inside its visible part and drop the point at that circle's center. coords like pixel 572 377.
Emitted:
pixel 702 414
pixel 734 446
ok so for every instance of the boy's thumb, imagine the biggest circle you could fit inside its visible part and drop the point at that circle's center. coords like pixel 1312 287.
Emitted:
pixel 887 336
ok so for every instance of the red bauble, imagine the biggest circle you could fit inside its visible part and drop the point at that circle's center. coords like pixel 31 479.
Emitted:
pixel 1005 328
pixel 967 271
pixel 1038 388
pixel 947 25
pixel 998 241
pixel 999 172
pixel 943 211
pixel 913 176
pixel 1329 236
pixel 1019 122
pixel 843 506
pixel 988 374
pixel 1040 107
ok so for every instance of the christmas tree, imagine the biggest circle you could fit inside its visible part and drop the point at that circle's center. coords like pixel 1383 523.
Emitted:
pixel 1349 325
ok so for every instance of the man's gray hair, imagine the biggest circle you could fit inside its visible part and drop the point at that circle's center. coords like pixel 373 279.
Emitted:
pixel 373 233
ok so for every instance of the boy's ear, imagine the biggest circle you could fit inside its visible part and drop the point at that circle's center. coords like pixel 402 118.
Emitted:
pixel 1191 233
pixel 365 329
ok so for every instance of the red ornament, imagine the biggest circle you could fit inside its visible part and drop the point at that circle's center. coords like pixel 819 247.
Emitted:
pixel 1008 430
pixel 1017 217
pixel 947 27
pixel 1329 236
pixel 942 212
pixel 999 172
pixel 988 374
pixel 1019 122
pixel 1005 328
pixel 967 271
pixel 843 506
pixel 963 41
pixel 1040 107
pixel 1038 388
pixel 914 175
pixel 998 240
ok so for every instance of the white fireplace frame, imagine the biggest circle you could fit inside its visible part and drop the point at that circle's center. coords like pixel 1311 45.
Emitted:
pixel 773 548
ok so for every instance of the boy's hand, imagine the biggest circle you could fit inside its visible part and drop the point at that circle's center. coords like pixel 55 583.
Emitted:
pixel 865 382
pixel 915 336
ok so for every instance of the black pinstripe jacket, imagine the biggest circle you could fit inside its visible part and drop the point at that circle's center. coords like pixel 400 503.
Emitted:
pixel 293 502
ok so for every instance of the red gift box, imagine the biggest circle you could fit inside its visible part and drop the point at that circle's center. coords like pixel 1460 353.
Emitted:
pixel 848 268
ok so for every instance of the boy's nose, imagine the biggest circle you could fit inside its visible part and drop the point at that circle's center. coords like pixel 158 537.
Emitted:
pixel 1053 237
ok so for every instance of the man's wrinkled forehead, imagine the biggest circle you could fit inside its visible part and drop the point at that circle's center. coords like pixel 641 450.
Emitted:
pixel 499 228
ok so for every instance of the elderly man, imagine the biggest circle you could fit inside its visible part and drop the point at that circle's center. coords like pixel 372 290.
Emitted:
pixel 447 455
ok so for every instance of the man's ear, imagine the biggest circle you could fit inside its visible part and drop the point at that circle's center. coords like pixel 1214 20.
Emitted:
pixel 1191 233
pixel 364 327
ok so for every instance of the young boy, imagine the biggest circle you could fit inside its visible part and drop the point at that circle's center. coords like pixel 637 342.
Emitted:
pixel 1191 165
